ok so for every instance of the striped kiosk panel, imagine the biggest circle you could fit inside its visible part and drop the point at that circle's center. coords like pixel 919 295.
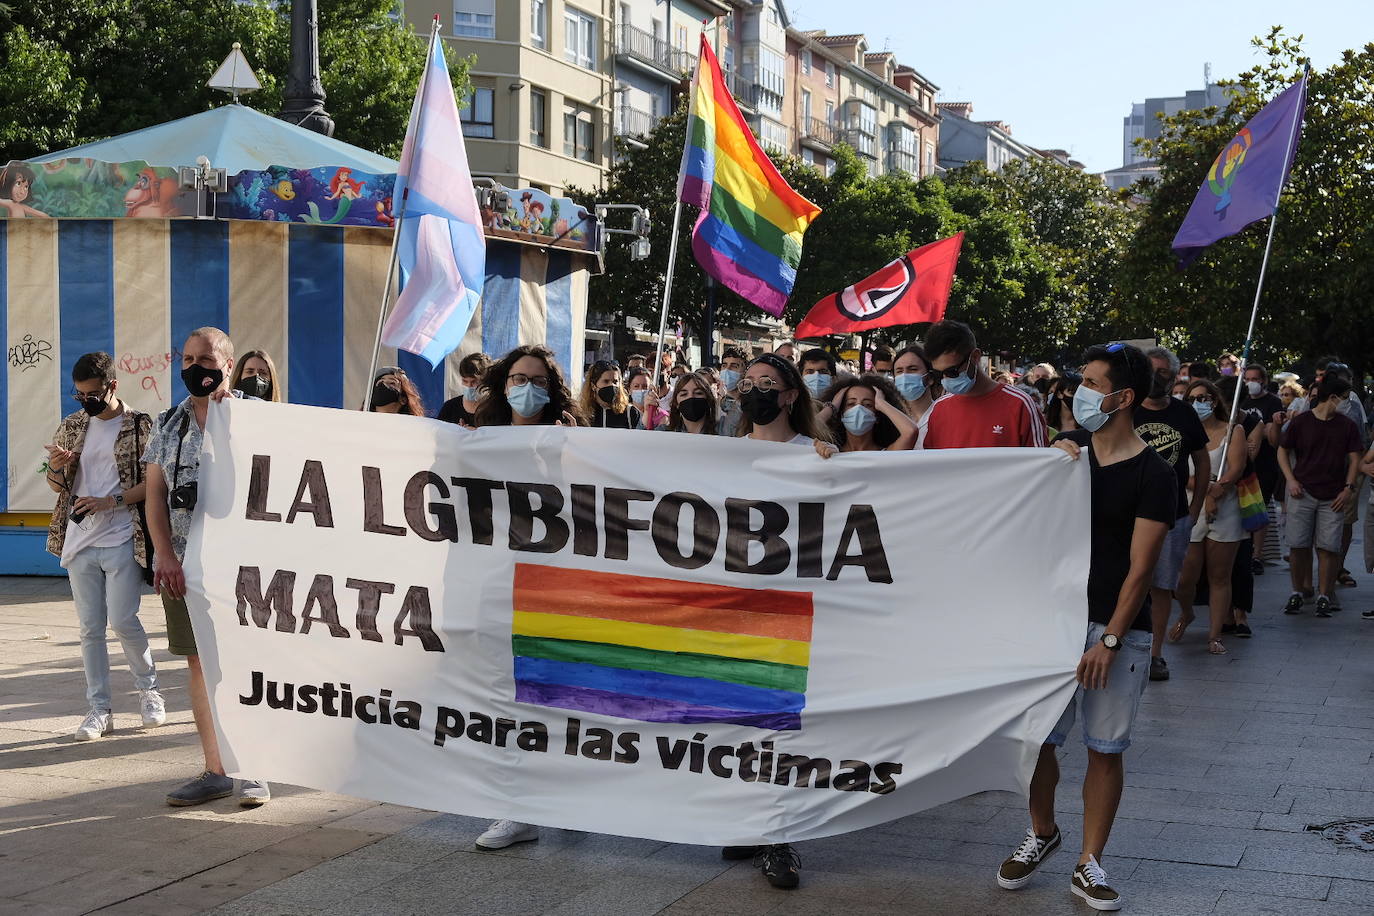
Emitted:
pixel 35 391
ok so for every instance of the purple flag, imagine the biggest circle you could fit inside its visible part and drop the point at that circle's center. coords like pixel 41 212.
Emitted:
pixel 1243 183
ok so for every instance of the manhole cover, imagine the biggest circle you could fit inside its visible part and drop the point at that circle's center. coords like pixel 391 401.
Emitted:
pixel 1355 834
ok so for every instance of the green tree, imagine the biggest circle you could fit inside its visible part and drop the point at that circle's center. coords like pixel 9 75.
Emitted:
pixel 1320 280
pixel 81 70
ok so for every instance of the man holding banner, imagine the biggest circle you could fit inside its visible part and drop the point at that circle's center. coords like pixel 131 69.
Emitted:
pixel 1133 506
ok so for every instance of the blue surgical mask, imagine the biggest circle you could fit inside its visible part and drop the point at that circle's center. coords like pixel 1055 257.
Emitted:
pixel 859 419
pixel 1203 410
pixel 960 384
pixel 730 378
pixel 527 400
pixel 638 396
pixel 473 392
pixel 817 382
pixel 1087 408
pixel 910 385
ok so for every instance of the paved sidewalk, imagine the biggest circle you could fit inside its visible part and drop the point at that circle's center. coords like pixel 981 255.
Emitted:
pixel 1233 758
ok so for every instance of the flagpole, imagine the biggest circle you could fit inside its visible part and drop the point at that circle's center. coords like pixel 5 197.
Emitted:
pixel 396 232
pixel 667 291
pixel 1218 472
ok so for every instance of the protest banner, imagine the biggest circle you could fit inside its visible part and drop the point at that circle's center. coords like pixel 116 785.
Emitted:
pixel 669 636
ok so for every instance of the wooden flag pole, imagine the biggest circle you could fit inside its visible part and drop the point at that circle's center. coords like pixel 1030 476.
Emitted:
pixel 396 232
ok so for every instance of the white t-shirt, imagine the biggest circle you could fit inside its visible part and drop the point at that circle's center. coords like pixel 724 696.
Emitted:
pixel 798 439
pixel 97 475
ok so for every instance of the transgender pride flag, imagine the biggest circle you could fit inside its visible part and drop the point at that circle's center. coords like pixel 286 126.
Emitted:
pixel 660 650
pixel 442 250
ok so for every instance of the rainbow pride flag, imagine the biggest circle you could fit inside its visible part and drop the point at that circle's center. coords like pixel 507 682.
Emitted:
pixel 749 234
pixel 660 650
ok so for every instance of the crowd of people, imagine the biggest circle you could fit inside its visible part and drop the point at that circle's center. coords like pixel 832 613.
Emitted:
pixel 1187 508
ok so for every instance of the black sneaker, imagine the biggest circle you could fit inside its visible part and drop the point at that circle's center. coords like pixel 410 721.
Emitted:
pixel 1368 615
pixel 1243 630
pixel 1257 567
pixel 1294 604
pixel 1159 668
pixel 1017 871
pixel 780 864
pixel 739 853
pixel 1090 883
pixel 1325 606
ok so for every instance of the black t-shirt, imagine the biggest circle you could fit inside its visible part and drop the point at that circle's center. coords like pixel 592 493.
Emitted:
pixel 1174 433
pixel 453 411
pixel 612 420
pixel 1267 459
pixel 1139 487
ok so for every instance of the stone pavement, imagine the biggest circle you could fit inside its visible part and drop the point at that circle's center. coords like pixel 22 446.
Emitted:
pixel 1232 759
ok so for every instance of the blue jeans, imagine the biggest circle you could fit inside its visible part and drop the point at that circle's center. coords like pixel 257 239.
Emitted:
pixel 106 585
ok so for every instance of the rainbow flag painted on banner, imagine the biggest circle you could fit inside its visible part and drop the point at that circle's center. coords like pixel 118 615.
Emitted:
pixel 660 650
pixel 749 234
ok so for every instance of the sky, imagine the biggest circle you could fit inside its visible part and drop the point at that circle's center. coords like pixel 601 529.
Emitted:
pixel 1063 74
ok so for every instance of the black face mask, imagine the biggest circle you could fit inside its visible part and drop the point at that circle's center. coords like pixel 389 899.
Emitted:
pixel 761 407
pixel 693 409
pixel 255 386
pixel 1160 384
pixel 382 395
pixel 200 382
pixel 606 395
pixel 95 404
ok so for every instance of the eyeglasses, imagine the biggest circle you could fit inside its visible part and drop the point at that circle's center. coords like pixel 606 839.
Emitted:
pixel 762 384
pixel 520 378
pixel 1201 399
pixel 954 371
pixel 81 396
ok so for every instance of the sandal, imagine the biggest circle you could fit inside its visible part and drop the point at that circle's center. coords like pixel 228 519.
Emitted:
pixel 1344 578
pixel 1177 630
pixel 1215 647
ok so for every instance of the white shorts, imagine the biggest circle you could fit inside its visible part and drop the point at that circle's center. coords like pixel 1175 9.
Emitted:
pixel 1109 713
pixel 1225 528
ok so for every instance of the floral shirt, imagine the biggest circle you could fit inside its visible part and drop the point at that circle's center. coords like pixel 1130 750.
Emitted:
pixel 177 425
pixel 71 435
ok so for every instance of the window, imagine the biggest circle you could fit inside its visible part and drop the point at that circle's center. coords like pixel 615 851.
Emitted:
pixel 729 60
pixel 539 24
pixel 579 133
pixel 730 21
pixel 579 38
pixel 625 18
pixel 539 119
pixel 474 18
pixel 806 108
pixel 829 75
pixel 805 63
pixel 773 136
pixel 481 120
pixel 829 112
pixel 930 158
pixel 680 37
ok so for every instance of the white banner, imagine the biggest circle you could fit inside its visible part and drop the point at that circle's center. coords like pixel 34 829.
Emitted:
pixel 678 637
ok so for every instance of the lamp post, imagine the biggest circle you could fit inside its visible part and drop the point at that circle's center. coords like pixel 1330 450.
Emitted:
pixel 303 101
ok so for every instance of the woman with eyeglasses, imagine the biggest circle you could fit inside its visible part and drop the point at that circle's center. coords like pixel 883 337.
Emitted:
pixel 1059 406
pixel 1218 531
pixel 868 415
pixel 526 388
pixel 604 401
pixel 693 406
pixel 394 392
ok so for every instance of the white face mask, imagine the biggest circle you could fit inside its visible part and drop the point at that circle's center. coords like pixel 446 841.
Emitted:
pixel 1255 388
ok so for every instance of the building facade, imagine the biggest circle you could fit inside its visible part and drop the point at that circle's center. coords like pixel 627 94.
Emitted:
pixel 964 140
pixel 841 93
pixel 1143 121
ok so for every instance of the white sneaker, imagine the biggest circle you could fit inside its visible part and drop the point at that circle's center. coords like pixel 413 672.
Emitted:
pixel 153 708
pixel 97 724
pixel 507 833
pixel 253 793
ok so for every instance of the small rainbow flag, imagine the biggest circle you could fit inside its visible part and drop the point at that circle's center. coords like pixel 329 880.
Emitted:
pixel 749 234
pixel 660 650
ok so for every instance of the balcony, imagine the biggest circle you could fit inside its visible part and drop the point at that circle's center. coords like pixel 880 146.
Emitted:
pixel 901 160
pixel 863 141
pixel 740 89
pixel 631 122
pixel 653 53
pixel 819 134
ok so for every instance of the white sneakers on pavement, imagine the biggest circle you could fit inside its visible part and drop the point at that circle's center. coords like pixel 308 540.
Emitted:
pixel 253 793
pixel 154 710
pixel 507 833
pixel 97 724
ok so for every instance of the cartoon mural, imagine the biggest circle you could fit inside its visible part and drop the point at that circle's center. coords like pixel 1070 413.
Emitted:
pixel 326 196
pixel 536 217
pixel 86 188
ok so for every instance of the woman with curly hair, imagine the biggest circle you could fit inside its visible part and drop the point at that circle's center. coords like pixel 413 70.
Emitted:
pixel 604 400
pixel 394 392
pixel 526 388
pixel 867 414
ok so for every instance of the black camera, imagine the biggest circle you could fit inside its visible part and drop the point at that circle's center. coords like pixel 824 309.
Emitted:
pixel 78 516
pixel 184 497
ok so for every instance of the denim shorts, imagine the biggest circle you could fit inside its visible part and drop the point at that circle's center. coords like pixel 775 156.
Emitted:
pixel 1169 566
pixel 1109 713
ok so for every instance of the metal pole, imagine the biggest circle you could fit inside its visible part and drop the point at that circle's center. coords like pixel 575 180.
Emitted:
pixel 667 291
pixel 396 232
pixel 1259 290
pixel 709 344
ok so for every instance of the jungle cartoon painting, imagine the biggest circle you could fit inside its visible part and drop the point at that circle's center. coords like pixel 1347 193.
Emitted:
pixel 535 216
pixel 332 196
pixel 90 189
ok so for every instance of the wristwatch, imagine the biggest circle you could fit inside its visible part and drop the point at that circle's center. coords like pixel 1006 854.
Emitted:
pixel 119 499
pixel 1111 641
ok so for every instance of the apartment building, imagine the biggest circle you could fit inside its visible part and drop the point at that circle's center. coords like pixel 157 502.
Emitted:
pixel 964 140
pixel 842 93
pixel 540 111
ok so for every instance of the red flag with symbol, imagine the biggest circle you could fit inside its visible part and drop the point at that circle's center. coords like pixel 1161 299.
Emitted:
pixel 912 289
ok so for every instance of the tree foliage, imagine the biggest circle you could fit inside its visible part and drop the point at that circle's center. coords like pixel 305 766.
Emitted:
pixel 74 71
pixel 1320 280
